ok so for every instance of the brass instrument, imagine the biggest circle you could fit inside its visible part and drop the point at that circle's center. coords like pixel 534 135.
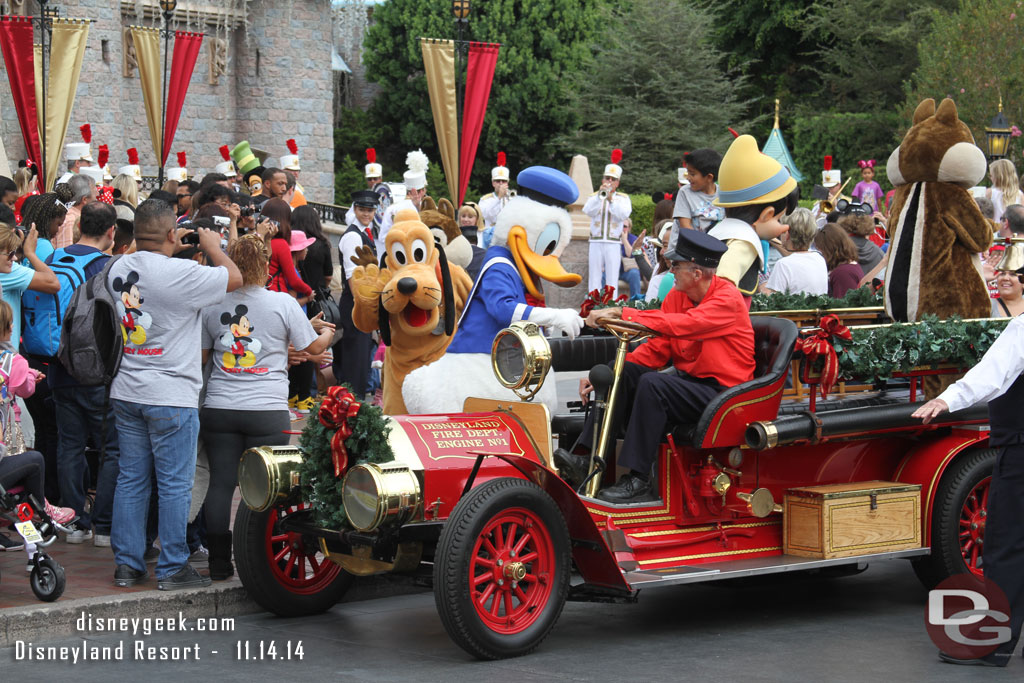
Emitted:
pixel 512 193
pixel 828 205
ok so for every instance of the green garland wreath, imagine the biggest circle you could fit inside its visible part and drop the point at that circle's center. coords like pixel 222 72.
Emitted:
pixel 865 297
pixel 368 443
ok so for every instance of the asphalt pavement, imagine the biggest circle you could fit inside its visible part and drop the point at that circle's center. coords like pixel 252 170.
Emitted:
pixel 868 627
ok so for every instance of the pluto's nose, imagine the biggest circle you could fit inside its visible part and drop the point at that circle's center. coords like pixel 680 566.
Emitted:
pixel 407 285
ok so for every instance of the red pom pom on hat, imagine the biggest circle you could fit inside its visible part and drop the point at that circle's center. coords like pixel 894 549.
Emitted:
pixel 371 155
pixel 86 133
pixel 616 155
pixel 103 156
pixel 501 158
pixel 225 152
pixel 182 160
pixel 292 147
pixel 828 162
pixel 133 156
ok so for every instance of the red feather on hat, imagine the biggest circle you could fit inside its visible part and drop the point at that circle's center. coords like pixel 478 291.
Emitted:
pixel 734 133
pixel 501 158
pixel 225 152
pixel 616 155
pixel 828 162
pixel 292 147
pixel 103 156
pixel 86 133
pixel 133 156
pixel 181 159
pixel 371 155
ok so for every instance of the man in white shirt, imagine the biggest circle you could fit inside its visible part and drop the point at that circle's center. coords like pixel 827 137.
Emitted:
pixel 492 203
pixel 374 173
pixel 609 212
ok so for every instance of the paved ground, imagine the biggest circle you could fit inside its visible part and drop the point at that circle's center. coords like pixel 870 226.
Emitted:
pixel 861 628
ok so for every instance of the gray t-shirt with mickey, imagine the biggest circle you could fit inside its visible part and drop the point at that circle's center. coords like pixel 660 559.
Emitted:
pixel 159 301
pixel 248 333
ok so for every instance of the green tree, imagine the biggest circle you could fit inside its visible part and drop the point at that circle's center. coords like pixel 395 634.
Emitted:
pixel 357 131
pixel 543 41
pixel 644 94
pixel 974 56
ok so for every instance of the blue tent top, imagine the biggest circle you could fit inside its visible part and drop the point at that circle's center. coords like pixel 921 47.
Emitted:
pixel 775 147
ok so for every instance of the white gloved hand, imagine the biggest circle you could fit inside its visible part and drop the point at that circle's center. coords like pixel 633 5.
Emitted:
pixel 558 319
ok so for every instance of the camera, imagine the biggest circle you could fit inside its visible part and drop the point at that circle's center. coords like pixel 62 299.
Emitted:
pixel 191 238
pixel 221 221
pixel 247 211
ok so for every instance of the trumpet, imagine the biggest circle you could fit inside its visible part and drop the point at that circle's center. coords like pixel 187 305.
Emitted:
pixel 512 193
pixel 828 206
pixel 603 194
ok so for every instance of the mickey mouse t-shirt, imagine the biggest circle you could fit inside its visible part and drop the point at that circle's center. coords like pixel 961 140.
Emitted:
pixel 159 301
pixel 249 332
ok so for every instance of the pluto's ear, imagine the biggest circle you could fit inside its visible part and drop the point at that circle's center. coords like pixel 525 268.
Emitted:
pixel 383 322
pixel 448 293
pixel 428 204
pixel 447 208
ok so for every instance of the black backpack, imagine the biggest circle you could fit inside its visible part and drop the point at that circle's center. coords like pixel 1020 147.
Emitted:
pixel 91 341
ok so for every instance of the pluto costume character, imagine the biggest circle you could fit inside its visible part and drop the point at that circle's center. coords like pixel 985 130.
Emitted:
pixel 414 301
pixel 532 228
pixel 933 261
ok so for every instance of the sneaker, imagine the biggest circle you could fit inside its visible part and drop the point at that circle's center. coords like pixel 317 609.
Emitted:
pixel 152 554
pixel 8 543
pixel 101 540
pixel 60 516
pixel 200 556
pixel 77 534
pixel 186 577
pixel 292 401
pixel 305 405
pixel 125 576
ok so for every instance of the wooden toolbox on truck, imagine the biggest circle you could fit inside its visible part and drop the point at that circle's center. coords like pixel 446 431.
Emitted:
pixel 857 518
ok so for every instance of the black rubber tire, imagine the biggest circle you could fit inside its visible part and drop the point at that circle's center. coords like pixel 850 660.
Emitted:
pixel 255 572
pixel 962 475
pixel 452 567
pixel 47 580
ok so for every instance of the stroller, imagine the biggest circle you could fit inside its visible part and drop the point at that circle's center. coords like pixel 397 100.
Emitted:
pixel 39 531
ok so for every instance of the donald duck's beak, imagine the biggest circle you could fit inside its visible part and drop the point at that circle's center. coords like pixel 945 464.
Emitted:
pixel 534 267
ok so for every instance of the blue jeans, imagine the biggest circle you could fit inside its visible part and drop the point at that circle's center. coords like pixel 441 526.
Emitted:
pixel 633 278
pixel 158 443
pixel 79 417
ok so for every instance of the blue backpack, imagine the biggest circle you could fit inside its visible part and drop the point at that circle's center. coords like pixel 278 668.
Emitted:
pixel 44 313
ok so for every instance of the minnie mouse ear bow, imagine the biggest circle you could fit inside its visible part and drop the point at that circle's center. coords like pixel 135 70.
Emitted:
pixel 870 163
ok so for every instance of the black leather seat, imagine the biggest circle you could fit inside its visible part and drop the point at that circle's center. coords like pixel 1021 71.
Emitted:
pixel 583 352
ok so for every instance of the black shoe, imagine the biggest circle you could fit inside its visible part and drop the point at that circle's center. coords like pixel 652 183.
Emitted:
pixel 220 556
pixel 994 659
pixel 125 576
pixel 629 489
pixel 572 467
pixel 186 577
pixel 8 543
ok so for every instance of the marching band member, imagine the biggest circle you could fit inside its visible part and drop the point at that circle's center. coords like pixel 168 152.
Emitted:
pixel 609 212
pixel 373 172
pixel 492 203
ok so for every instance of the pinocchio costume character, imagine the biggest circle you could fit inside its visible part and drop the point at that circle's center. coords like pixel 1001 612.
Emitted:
pixel 755 191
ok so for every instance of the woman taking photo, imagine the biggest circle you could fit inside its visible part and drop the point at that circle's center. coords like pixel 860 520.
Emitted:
pixel 246 404
pixel 283 275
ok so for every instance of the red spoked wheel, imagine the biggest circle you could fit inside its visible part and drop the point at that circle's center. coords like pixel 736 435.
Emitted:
pixel 972 525
pixel 511 569
pixel 958 513
pixel 501 570
pixel 285 572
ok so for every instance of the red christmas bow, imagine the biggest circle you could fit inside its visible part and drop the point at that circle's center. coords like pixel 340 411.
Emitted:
pixel 335 411
pixel 821 345
pixel 596 298
pixel 870 163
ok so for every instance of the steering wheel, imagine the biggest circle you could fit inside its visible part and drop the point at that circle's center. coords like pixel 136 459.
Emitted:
pixel 626 330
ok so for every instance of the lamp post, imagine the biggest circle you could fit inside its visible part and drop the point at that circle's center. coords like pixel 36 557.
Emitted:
pixel 460 11
pixel 997 134
pixel 167 7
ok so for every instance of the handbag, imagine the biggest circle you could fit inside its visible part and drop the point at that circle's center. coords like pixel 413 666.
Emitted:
pixel 13 438
pixel 322 302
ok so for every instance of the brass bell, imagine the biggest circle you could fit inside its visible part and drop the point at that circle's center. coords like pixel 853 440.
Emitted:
pixel 1013 258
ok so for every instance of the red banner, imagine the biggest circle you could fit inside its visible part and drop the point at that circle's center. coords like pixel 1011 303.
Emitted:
pixel 186 51
pixel 16 43
pixel 479 75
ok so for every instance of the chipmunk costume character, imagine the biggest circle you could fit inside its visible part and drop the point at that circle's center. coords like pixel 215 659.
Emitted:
pixel 530 231
pixel 414 301
pixel 939 230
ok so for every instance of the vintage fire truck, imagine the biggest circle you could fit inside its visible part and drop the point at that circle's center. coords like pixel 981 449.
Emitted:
pixel 473 504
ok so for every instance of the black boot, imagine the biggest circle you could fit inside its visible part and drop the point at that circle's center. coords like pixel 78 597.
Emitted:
pixel 220 556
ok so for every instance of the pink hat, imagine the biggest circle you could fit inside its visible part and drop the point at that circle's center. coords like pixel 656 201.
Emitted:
pixel 300 241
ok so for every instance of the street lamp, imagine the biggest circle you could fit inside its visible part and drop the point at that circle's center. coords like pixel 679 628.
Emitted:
pixel 460 10
pixel 167 7
pixel 997 134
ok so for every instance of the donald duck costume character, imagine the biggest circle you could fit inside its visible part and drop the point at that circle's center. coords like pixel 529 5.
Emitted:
pixel 530 231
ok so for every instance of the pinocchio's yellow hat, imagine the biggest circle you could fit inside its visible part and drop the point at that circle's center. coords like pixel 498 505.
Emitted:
pixel 747 176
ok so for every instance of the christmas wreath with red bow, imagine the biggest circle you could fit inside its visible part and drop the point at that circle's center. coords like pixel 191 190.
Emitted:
pixel 339 432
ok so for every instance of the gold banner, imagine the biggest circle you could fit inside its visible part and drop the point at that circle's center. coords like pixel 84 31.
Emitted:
pixel 147 52
pixel 439 64
pixel 66 52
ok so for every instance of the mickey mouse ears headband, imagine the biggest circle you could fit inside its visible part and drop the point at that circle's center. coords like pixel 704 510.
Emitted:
pixel 870 163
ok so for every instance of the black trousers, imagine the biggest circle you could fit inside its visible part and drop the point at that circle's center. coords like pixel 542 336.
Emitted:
pixel 1003 554
pixel 648 403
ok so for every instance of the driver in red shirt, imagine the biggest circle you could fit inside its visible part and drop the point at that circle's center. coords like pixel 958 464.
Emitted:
pixel 704 335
